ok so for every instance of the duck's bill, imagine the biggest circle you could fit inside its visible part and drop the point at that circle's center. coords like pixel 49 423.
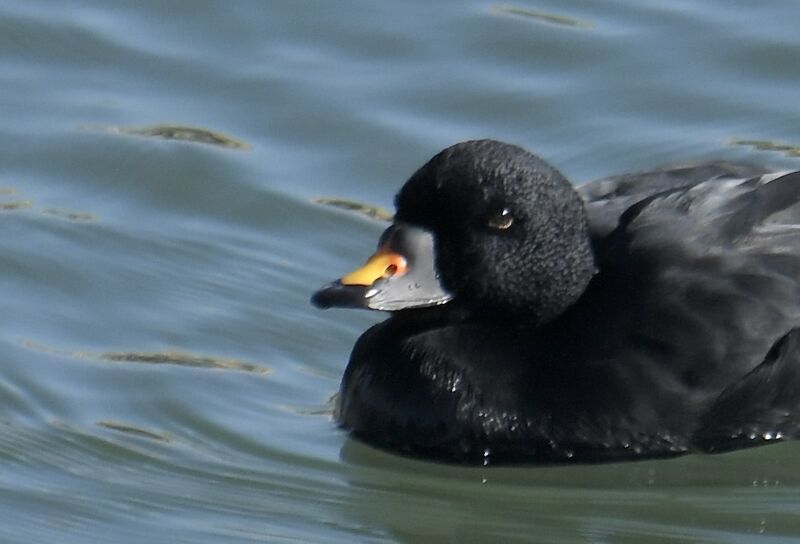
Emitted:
pixel 400 275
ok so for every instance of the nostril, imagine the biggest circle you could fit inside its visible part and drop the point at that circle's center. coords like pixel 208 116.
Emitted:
pixel 396 266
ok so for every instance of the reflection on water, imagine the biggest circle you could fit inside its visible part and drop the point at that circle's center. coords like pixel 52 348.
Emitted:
pixel 768 145
pixel 179 132
pixel 184 359
pixel 132 430
pixel 159 358
pixel 14 205
pixel 694 499
pixel 541 16
pixel 11 200
pixel 69 215
pixel 367 210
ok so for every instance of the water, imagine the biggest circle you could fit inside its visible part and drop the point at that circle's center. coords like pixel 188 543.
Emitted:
pixel 162 375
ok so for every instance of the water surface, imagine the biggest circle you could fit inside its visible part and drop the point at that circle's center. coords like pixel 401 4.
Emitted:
pixel 162 375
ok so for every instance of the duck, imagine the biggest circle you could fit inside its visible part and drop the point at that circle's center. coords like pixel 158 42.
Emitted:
pixel 530 320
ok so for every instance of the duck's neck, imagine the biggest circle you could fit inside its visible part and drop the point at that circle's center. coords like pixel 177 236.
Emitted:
pixel 549 291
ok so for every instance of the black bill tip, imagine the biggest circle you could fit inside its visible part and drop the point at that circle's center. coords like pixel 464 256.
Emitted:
pixel 336 294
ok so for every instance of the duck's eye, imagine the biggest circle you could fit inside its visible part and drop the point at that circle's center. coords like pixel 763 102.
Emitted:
pixel 501 220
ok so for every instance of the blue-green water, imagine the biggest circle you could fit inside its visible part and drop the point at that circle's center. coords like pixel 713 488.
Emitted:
pixel 162 375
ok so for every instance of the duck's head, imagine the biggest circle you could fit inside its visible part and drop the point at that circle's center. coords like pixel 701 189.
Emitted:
pixel 484 227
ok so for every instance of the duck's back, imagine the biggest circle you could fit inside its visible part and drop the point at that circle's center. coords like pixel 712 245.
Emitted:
pixel 607 198
pixel 700 269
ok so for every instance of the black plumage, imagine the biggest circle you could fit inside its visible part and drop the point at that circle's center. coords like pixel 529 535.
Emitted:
pixel 644 315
